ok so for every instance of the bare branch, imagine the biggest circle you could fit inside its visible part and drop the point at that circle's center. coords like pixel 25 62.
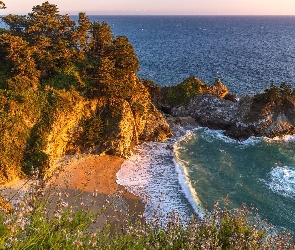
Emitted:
pixel 2 5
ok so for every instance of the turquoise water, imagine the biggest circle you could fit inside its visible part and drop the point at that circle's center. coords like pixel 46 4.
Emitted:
pixel 257 171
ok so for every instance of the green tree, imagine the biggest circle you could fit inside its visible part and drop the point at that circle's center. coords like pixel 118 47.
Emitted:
pixel 126 61
pixel 51 44
pixel 81 35
pixel 17 25
pixel 113 62
pixel 51 34
pixel 19 55
pixel 48 33
pixel 100 64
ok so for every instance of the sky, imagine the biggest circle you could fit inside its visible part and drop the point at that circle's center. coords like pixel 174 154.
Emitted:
pixel 159 7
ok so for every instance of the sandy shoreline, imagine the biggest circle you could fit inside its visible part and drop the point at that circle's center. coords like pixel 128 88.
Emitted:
pixel 92 179
pixel 86 181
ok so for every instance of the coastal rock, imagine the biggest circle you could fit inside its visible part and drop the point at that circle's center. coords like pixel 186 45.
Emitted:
pixel 217 88
pixel 270 114
pixel 182 93
pixel 209 110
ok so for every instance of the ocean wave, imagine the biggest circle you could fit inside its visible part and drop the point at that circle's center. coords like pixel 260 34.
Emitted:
pixel 160 177
pixel 187 188
pixel 211 135
pixel 282 181
pixel 151 174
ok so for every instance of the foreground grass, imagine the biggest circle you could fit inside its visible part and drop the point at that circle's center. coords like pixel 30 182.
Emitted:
pixel 38 221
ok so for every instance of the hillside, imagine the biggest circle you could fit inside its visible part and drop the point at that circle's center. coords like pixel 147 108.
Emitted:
pixel 68 88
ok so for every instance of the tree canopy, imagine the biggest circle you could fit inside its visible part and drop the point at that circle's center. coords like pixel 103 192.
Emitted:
pixel 43 44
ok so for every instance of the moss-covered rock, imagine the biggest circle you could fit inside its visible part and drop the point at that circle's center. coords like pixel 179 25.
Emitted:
pixel 182 93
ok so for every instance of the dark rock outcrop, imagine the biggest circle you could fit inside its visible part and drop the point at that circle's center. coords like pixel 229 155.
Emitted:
pixel 209 110
pixel 269 114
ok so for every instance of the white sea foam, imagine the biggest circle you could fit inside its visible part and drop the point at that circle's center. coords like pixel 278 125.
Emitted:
pixel 211 135
pixel 189 191
pixel 150 173
pixel 282 181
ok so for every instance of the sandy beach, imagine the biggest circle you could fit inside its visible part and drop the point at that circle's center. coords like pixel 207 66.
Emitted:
pixel 83 182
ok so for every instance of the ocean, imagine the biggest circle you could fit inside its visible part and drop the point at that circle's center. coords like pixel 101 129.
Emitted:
pixel 205 166
pixel 248 53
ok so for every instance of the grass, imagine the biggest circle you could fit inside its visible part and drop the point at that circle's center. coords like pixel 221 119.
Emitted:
pixel 52 219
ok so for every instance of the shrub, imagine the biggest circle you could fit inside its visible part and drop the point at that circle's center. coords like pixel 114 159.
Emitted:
pixel 39 223
pixel 181 94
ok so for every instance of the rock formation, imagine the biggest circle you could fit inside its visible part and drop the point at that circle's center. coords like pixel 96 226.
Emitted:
pixel 269 114
pixel 106 125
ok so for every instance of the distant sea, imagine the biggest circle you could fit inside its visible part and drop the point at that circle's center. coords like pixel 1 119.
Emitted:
pixel 248 53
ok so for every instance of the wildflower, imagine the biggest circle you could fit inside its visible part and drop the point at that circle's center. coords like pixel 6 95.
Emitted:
pixel 77 243
pixel 64 204
pixel 92 242
pixel 79 234
pixel 21 223
pixel 11 228
pixel 57 216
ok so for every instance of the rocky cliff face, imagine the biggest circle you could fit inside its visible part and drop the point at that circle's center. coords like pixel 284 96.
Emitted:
pixel 105 125
pixel 65 122
pixel 263 115
pixel 269 114
pixel 209 110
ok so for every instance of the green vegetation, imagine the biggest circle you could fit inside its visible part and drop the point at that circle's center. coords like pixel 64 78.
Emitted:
pixel 275 98
pixel 47 64
pixel 182 93
pixel 42 222
pixel 276 95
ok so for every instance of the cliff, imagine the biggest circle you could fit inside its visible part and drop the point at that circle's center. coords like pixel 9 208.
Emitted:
pixel 69 123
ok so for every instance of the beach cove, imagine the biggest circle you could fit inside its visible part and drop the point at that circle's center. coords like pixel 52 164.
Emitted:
pixel 79 181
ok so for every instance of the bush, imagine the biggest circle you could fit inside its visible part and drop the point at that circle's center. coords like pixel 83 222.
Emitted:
pixel 182 93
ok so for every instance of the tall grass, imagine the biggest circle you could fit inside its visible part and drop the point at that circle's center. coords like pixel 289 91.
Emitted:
pixel 49 218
